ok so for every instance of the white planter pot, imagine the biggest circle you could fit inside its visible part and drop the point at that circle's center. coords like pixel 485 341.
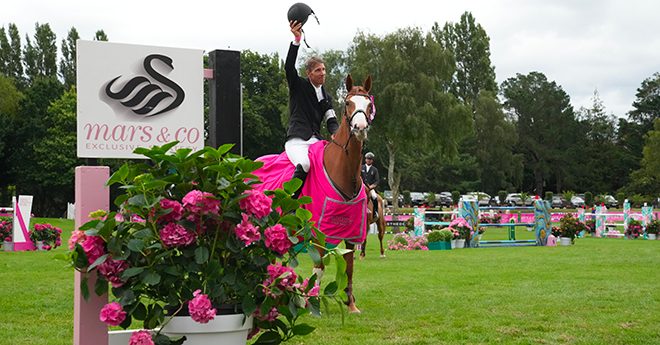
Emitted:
pixel 460 243
pixel 651 236
pixel 40 246
pixel 565 241
pixel 8 246
pixel 453 244
pixel 223 330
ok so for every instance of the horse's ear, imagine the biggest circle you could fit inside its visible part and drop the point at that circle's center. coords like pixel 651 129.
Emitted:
pixel 349 83
pixel 367 84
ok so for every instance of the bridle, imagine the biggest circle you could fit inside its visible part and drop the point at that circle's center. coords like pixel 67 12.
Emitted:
pixel 350 136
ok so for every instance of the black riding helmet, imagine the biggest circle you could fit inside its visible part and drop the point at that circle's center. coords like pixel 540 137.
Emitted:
pixel 300 12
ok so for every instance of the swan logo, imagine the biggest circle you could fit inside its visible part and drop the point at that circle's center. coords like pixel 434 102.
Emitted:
pixel 149 95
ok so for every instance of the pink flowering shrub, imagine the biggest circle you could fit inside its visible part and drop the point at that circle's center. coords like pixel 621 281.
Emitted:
pixel 5 229
pixel 50 235
pixel 192 231
pixel 403 241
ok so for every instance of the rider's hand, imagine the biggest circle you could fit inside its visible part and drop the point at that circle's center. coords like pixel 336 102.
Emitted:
pixel 296 28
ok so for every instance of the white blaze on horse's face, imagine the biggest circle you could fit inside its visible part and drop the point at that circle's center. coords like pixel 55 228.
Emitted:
pixel 359 124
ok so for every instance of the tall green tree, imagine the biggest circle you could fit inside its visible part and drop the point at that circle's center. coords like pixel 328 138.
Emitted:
pixel 409 69
pixel 12 65
pixel 27 132
pixel 56 155
pixel 265 98
pixel 473 82
pixel 646 180
pixel 41 58
pixel 647 104
pixel 100 36
pixel 68 62
pixel 9 100
pixel 546 125
pixel 470 45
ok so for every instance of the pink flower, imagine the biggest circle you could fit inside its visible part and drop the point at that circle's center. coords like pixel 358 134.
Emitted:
pixel 113 314
pixel 141 338
pixel 174 215
pixel 174 235
pixel 93 246
pixel 200 308
pixel 256 203
pixel 110 270
pixel 246 231
pixel 253 333
pixel 277 271
pixel 277 239
pixel 47 247
pixel 271 316
pixel 200 202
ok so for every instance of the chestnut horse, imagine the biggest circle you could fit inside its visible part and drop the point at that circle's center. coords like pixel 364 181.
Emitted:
pixel 380 224
pixel 342 160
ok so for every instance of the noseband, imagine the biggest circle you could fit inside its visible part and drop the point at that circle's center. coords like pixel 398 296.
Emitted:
pixel 350 120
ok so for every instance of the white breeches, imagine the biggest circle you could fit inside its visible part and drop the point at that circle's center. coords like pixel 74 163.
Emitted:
pixel 298 151
pixel 374 196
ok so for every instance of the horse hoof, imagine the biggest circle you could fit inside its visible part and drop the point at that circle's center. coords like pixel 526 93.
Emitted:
pixel 382 256
pixel 354 310
pixel 362 256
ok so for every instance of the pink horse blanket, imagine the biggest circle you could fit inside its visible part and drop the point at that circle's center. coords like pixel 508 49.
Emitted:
pixel 337 219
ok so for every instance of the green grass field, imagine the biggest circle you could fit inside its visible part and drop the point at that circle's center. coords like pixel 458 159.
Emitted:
pixel 598 291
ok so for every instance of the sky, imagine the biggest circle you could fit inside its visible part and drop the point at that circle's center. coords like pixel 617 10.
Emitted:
pixel 582 45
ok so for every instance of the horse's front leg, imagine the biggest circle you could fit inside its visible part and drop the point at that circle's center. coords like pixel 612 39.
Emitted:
pixel 349 257
pixel 319 269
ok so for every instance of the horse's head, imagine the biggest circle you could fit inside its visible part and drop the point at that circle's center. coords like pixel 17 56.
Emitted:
pixel 358 107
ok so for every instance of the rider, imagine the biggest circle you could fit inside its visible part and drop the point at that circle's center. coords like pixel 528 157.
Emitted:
pixel 309 105
pixel 370 177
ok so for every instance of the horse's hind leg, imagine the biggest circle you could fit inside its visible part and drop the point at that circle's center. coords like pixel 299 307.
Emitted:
pixel 381 233
pixel 364 248
pixel 349 257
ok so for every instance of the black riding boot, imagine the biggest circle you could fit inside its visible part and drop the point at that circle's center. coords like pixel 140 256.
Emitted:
pixel 302 175
pixel 375 202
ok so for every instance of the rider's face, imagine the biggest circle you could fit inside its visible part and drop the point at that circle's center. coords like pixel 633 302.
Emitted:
pixel 317 75
pixel 368 161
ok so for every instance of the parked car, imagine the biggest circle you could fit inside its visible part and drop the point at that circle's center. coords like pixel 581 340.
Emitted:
pixel 513 199
pixel 443 200
pixel 388 195
pixel 494 201
pixel 417 198
pixel 576 201
pixel 483 198
pixel 468 197
pixel 559 202
pixel 609 201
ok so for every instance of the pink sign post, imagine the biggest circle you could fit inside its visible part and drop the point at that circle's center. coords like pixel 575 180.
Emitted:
pixel 91 195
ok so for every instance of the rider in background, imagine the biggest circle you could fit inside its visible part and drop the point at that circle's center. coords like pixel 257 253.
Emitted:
pixel 309 105
pixel 370 177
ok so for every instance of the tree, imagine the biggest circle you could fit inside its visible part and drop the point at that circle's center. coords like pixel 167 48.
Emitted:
pixel 647 104
pixel 545 122
pixel 9 100
pixel 413 112
pixel 68 62
pixel 41 58
pixel 646 180
pixel 265 98
pixel 100 36
pixel 474 84
pixel 470 46
pixel 27 132
pixel 12 66
pixel 56 155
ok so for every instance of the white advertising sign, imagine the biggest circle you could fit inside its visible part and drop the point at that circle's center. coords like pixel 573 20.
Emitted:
pixel 132 96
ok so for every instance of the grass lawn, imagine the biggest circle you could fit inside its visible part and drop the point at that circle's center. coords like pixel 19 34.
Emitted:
pixel 598 291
